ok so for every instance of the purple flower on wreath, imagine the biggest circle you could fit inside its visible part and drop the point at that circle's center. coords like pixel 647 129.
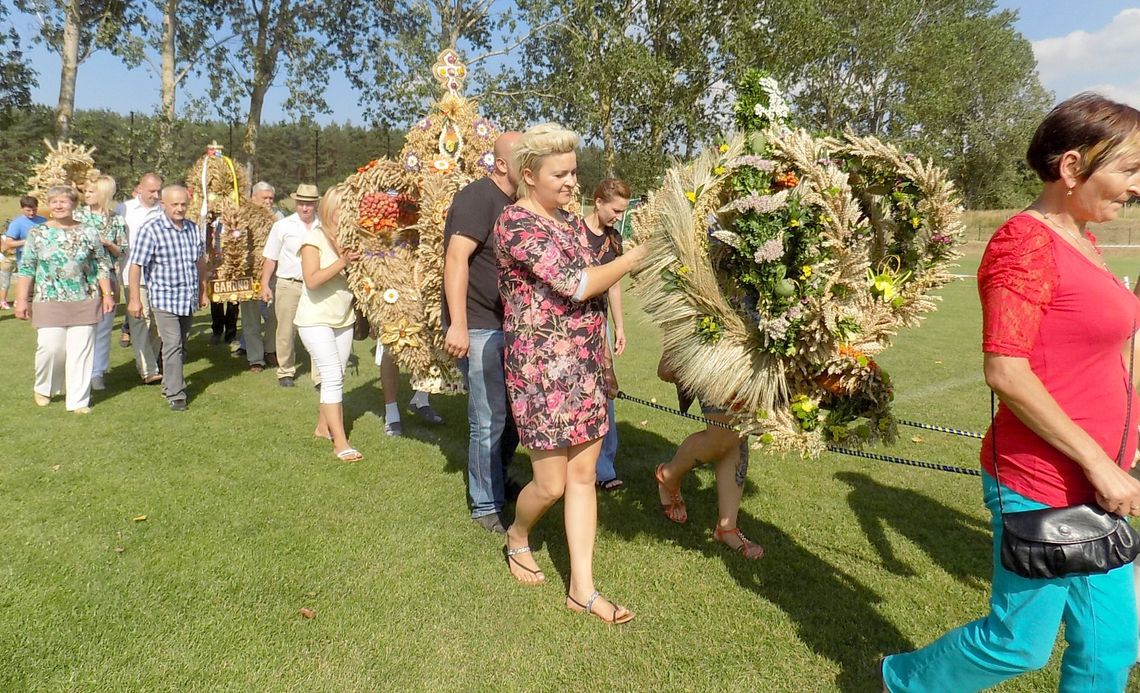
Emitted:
pixel 772 250
pixel 941 239
pixel 411 162
pixel 757 162
pixel 760 204
pixel 487 161
pixel 483 127
pixel 424 123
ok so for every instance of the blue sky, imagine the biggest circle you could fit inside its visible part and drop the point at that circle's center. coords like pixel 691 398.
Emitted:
pixel 1079 45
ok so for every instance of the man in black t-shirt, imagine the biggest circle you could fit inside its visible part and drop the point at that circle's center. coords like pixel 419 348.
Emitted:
pixel 473 322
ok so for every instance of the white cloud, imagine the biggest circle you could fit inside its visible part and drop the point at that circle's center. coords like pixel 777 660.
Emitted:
pixel 1124 93
pixel 1083 60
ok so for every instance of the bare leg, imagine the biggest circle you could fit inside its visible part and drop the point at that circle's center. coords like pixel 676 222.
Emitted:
pixel 543 491
pixel 581 512
pixel 322 430
pixel 389 377
pixel 702 447
pixel 728 495
pixel 334 422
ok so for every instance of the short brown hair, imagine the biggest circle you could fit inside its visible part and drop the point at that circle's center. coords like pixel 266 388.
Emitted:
pixel 29 201
pixel 610 188
pixel 1096 127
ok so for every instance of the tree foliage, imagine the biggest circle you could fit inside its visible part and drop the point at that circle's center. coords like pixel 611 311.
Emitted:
pixel 16 76
pixel 952 80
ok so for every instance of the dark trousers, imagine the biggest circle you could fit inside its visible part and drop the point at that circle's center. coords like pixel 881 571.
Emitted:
pixel 224 320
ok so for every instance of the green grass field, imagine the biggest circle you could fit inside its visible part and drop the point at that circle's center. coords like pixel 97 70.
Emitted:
pixel 248 519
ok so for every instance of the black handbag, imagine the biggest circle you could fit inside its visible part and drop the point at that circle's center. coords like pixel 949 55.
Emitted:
pixel 1074 540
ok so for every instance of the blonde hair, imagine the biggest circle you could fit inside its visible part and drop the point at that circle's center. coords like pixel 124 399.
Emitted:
pixel 538 143
pixel 327 207
pixel 105 186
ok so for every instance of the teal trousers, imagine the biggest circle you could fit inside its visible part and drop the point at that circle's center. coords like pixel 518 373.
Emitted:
pixel 1099 613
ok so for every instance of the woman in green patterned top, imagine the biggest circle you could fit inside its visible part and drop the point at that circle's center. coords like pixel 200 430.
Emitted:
pixel 98 213
pixel 65 287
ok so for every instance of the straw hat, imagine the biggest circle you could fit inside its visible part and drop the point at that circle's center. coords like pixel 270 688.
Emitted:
pixel 305 193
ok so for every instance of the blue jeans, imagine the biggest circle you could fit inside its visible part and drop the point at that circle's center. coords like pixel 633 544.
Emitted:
pixel 493 437
pixel 1099 613
pixel 605 467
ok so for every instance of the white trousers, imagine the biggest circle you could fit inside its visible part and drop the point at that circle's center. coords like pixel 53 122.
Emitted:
pixel 63 363
pixel 102 359
pixel 329 348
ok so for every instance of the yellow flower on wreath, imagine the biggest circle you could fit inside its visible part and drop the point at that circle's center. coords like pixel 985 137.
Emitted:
pixel 806 271
pixel 691 196
pixel 400 334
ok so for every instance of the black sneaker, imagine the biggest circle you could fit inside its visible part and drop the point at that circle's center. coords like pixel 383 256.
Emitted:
pixel 285 382
pixel 492 523
pixel 426 413
pixel 178 405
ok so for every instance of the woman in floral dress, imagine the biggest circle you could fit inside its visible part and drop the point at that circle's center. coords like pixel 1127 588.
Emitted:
pixel 112 229
pixel 557 364
pixel 65 287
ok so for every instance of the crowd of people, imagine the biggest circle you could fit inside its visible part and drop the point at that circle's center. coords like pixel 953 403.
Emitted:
pixel 532 312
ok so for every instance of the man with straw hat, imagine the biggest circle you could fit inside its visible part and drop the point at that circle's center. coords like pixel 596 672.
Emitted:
pixel 283 266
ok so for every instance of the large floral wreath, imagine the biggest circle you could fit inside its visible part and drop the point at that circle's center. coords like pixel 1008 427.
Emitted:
pixel 781 263
pixel 393 211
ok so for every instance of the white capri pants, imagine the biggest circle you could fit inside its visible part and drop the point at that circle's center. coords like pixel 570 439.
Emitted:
pixel 63 363
pixel 329 348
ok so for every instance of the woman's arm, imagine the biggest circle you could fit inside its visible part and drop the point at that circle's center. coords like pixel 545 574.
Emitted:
pixel 1022 391
pixel 619 319
pixel 600 278
pixel 315 276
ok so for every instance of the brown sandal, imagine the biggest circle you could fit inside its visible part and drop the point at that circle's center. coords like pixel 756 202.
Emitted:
pixel 674 510
pixel 748 548
pixel 588 608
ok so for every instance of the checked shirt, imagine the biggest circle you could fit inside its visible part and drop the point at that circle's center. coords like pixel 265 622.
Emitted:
pixel 168 255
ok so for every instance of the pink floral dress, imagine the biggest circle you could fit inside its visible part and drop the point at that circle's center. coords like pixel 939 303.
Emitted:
pixel 555 345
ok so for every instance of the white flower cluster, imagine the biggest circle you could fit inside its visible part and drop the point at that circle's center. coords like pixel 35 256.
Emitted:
pixel 777 111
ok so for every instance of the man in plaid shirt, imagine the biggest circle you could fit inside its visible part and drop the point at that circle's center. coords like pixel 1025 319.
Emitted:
pixel 169 259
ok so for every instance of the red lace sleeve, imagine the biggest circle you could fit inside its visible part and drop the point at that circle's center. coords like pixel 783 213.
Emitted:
pixel 1016 280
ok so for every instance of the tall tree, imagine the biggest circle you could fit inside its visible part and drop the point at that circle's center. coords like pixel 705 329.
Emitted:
pixel 75 29
pixel 390 62
pixel 272 38
pixel 16 76
pixel 952 79
pixel 176 34
pixel 637 76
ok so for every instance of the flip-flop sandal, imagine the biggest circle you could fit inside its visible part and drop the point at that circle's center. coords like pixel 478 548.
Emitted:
pixel 350 455
pixel 588 608
pixel 614 484
pixel 510 554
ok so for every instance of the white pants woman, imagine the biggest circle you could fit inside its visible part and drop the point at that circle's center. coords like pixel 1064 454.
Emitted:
pixel 330 348
pixel 63 364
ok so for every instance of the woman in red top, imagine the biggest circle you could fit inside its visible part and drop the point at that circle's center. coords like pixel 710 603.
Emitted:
pixel 1056 327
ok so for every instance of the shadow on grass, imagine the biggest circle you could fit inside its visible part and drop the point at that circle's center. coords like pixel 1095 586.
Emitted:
pixel 957 542
pixel 836 616
pixel 221 364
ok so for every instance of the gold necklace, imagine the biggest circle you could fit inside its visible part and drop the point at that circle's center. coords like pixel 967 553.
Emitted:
pixel 1076 238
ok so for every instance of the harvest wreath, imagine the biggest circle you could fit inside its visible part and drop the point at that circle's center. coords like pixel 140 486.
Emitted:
pixel 781 263
pixel 393 212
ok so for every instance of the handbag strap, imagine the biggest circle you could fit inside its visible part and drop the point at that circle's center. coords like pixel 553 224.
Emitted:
pixel 1123 437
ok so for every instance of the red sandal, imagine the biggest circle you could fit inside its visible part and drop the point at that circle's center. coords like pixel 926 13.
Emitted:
pixel 674 510
pixel 748 548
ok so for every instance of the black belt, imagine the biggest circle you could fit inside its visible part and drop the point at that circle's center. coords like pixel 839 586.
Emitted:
pixel 290 279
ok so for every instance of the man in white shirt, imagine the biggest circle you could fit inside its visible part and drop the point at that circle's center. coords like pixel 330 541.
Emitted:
pixel 143 336
pixel 283 263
